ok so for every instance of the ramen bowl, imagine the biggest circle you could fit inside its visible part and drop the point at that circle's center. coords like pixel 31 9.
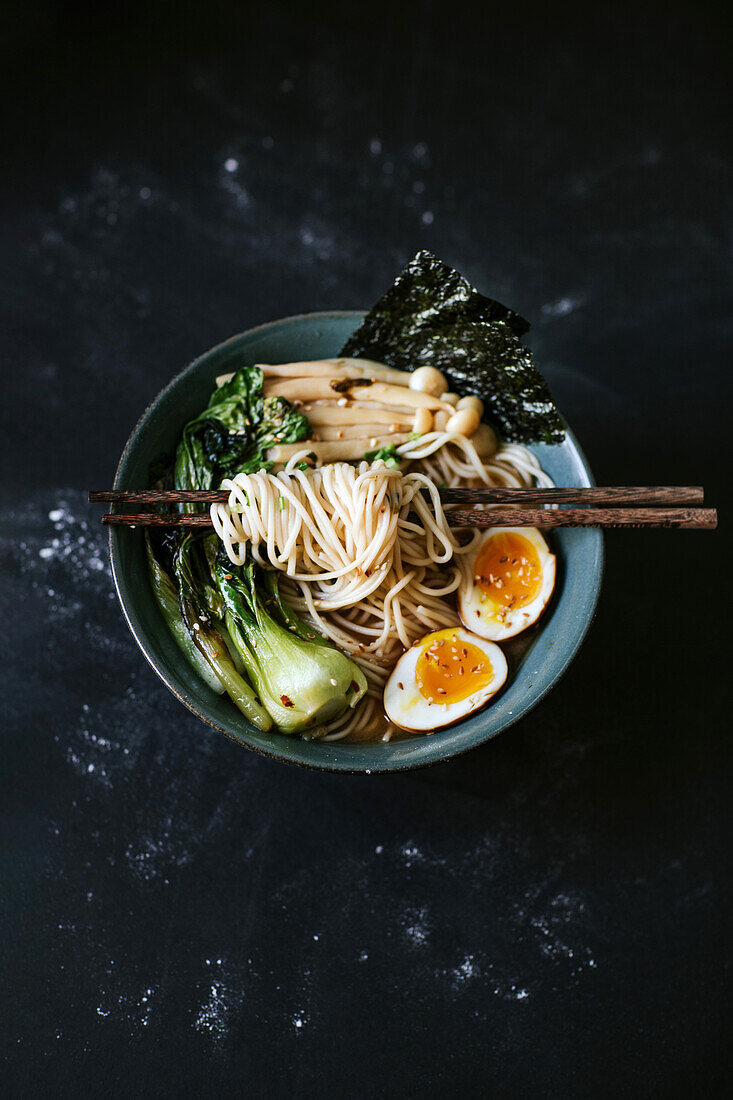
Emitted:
pixel 552 647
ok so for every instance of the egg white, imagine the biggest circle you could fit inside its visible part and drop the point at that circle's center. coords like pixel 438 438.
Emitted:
pixel 407 707
pixel 481 615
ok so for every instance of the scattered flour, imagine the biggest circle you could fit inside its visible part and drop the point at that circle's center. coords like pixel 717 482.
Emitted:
pixel 416 927
pixel 466 970
pixel 213 1015
pixel 562 306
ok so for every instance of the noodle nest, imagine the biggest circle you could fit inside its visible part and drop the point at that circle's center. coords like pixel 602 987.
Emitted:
pixel 367 552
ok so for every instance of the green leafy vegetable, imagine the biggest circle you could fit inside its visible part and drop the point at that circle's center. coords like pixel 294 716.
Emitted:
pixel 432 316
pixel 387 454
pixel 233 432
pixel 166 596
pixel 302 683
pixel 283 613
pixel 201 607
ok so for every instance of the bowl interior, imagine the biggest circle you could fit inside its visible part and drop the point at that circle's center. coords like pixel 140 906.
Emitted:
pixel 580 561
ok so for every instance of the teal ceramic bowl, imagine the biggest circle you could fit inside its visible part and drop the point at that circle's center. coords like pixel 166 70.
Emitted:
pixel 311 336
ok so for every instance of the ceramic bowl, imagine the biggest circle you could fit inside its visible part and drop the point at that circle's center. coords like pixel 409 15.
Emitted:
pixel 311 336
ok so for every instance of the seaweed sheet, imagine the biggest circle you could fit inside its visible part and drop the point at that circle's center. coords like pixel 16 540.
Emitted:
pixel 432 316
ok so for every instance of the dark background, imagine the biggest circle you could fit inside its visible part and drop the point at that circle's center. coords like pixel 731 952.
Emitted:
pixel 544 917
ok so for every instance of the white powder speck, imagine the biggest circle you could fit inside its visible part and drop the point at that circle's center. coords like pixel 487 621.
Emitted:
pixel 230 164
pixel 363 957
pixel 145 193
pixel 427 217
pixel 237 190
pixel 375 147
pixel 212 1016
pixel 299 1019
pixel 561 307
pixel 379 849
pixel 420 150
pixel 416 927
pixel 411 854
pixel 466 970
pixel 56 515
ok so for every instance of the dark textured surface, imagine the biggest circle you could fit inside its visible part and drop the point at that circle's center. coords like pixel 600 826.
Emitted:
pixel 544 917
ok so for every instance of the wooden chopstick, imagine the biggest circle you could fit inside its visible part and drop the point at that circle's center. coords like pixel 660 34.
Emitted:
pixel 701 518
pixel 621 496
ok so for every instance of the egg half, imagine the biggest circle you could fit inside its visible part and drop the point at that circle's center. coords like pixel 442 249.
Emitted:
pixel 508 583
pixel 442 678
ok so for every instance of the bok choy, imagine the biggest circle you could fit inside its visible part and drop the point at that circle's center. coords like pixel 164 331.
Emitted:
pixel 233 432
pixel 232 623
pixel 303 683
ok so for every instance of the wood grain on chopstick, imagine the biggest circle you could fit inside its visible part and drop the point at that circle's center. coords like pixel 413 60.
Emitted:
pixel 158 496
pixel 701 518
pixel 621 496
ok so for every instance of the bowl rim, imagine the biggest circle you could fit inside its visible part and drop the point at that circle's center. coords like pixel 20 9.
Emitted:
pixel 438 757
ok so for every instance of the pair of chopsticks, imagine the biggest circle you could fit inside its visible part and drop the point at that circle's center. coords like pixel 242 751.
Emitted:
pixel 616 506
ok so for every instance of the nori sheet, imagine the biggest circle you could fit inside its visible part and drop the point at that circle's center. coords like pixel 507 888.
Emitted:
pixel 432 316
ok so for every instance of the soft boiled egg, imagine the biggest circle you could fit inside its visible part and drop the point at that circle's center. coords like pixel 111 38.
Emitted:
pixel 509 580
pixel 442 678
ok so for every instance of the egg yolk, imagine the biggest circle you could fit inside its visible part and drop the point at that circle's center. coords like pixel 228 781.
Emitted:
pixel 450 669
pixel 508 570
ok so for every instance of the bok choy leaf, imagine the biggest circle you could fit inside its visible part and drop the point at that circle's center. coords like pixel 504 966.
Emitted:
pixel 302 683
